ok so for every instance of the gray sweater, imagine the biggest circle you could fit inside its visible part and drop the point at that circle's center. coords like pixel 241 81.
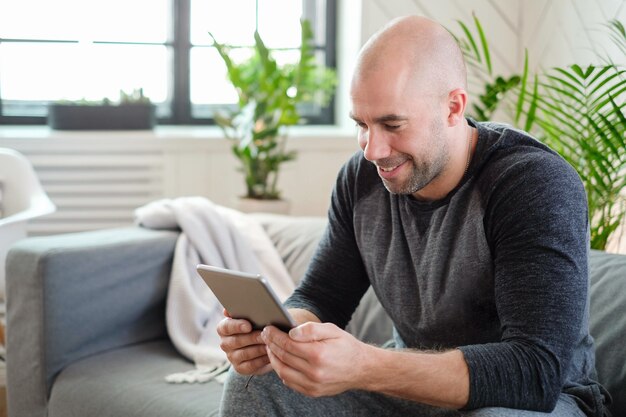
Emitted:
pixel 497 269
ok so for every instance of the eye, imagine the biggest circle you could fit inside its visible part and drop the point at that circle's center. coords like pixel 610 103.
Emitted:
pixel 392 127
pixel 361 125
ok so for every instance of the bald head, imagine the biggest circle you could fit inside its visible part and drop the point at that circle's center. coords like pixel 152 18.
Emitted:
pixel 419 49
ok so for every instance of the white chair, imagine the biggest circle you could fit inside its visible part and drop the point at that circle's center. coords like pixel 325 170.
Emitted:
pixel 21 199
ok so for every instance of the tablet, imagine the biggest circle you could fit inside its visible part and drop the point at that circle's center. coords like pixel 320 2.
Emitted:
pixel 246 296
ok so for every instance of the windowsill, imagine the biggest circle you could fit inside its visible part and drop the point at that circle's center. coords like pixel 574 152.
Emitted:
pixel 165 132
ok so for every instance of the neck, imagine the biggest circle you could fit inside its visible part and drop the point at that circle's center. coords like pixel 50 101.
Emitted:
pixel 462 147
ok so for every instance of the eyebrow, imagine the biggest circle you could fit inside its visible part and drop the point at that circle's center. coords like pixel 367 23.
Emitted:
pixel 384 119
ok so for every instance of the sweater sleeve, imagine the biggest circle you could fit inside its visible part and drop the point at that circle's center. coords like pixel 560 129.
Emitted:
pixel 335 280
pixel 537 225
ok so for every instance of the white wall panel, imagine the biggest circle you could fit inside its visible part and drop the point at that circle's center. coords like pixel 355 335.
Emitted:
pixel 556 32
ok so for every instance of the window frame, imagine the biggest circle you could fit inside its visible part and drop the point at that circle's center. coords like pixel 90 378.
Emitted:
pixel 180 44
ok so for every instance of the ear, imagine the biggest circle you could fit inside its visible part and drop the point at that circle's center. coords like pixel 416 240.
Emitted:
pixel 457 101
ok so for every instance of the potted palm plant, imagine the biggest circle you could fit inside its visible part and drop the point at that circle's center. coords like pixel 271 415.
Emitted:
pixel 269 95
pixel 577 110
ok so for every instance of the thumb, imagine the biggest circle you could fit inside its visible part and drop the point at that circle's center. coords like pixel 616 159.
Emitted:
pixel 312 332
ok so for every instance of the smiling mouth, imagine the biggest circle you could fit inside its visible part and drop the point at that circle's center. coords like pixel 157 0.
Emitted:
pixel 388 171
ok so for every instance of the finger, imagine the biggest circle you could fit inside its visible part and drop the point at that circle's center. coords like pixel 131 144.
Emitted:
pixel 288 358
pixel 227 314
pixel 246 354
pixel 289 376
pixel 312 332
pixel 228 326
pixel 265 369
pixel 282 369
pixel 240 340
pixel 258 366
pixel 304 350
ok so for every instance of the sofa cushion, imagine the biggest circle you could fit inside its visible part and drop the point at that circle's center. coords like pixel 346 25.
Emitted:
pixel 295 239
pixel 130 382
pixel 608 323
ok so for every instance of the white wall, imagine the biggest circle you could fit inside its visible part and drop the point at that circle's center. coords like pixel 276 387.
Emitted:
pixel 555 32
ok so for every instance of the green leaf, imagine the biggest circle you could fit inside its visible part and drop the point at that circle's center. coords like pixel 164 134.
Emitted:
pixel 576 68
pixel 560 114
pixel 483 41
pixel 565 86
pixel 532 110
pixel 470 39
pixel 617 34
pixel 599 74
pixel 571 76
pixel 522 93
pixel 602 98
pixel 566 94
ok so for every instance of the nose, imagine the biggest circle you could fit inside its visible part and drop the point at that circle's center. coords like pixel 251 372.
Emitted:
pixel 375 145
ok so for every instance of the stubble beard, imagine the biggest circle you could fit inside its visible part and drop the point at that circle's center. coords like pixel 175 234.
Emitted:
pixel 422 172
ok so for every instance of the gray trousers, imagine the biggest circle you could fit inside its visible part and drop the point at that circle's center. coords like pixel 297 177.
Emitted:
pixel 267 396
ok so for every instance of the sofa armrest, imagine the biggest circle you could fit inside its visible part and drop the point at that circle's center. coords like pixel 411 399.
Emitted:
pixel 71 296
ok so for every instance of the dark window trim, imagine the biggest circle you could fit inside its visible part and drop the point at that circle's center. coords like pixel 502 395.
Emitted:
pixel 180 44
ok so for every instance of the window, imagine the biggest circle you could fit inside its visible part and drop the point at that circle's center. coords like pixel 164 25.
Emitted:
pixel 53 50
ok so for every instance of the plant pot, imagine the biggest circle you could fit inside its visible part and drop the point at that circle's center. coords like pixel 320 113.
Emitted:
pixel 253 205
pixel 101 117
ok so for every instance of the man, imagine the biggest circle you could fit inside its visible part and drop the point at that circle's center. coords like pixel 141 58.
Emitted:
pixel 475 242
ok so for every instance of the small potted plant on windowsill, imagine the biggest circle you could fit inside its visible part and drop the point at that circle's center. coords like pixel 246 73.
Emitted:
pixel 269 95
pixel 134 111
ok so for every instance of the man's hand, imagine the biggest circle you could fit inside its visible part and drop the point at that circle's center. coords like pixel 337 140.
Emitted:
pixel 317 359
pixel 244 348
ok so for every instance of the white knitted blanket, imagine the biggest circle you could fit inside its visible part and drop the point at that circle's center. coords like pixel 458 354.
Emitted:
pixel 213 235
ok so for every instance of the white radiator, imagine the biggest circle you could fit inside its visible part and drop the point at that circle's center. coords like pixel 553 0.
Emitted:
pixel 95 184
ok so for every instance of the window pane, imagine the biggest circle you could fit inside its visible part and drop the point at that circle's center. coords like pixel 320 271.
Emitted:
pixel 130 20
pixel 33 71
pixel 232 22
pixel 209 83
pixel 104 20
pixel 209 80
pixel 283 57
pixel 279 23
pixel 317 13
pixel 99 59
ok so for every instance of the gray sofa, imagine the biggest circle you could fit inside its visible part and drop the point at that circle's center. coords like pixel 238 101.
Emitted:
pixel 86 329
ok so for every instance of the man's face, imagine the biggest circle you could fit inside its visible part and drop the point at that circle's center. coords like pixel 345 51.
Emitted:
pixel 400 131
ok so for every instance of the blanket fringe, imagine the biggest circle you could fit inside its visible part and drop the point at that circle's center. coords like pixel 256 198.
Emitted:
pixel 217 373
